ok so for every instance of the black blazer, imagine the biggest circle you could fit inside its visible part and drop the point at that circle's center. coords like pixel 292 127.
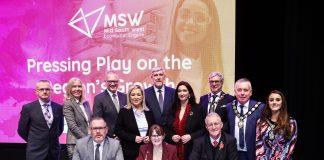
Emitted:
pixel 220 108
pixel 225 150
pixel 33 128
pixel 194 127
pixel 104 107
pixel 153 103
pixel 127 130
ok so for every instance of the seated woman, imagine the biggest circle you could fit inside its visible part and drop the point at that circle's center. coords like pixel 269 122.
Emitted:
pixel 157 149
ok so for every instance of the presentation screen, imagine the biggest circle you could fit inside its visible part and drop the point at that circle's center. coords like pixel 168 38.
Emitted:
pixel 60 39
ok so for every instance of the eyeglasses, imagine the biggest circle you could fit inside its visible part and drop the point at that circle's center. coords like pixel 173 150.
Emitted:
pixel 156 136
pixel 197 17
pixel 44 89
pixel 98 128
pixel 216 81
pixel 213 124
pixel 112 81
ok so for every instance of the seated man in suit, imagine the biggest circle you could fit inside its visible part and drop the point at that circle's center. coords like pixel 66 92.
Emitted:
pixel 215 145
pixel 216 100
pixel 41 124
pixel 108 103
pixel 159 97
pixel 97 146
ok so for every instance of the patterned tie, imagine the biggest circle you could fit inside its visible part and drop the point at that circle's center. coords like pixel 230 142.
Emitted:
pixel 213 104
pixel 160 100
pixel 241 131
pixel 47 115
pixel 115 102
pixel 97 154
pixel 215 143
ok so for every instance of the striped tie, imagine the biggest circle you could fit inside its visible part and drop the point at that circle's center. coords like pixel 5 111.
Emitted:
pixel 47 114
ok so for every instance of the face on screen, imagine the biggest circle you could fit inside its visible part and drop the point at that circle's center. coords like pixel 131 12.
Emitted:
pixel 43 91
pixel 192 22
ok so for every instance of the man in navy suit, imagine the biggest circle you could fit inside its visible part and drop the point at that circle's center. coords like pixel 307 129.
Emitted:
pixel 159 98
pixel 243 114
pixel 216 100
pixel 216 144
pixel 108 103
pixel 41 124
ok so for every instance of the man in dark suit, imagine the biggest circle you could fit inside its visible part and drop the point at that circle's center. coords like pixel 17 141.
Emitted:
pixel 216 100
pixel 242 118
pixel 97 146
pixel 108 103
pixel 159 98
pixel 215 145
pixel 41 124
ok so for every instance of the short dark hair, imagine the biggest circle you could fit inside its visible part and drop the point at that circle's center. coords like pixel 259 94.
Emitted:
pixel 96 118
pixel 158 129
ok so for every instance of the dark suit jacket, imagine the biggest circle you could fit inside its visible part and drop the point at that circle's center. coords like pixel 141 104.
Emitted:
pixel 202 148
pixel 169 152
pixel 153 103
pixel 76 120
pixel 104 107
pixel 194 127
pixel 220 108
pixel 250 129
pixel 127 130
pixel 84 149
pixel 33 128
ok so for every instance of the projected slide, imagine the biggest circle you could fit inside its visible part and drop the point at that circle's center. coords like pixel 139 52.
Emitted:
pixel 57 40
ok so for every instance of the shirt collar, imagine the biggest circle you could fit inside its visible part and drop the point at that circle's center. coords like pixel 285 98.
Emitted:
pixel 42 103
pixel 156 89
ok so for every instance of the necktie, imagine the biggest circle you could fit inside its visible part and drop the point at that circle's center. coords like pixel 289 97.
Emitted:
pixel 215 144
pixel 160 100
pixel 241 131
pixel 115 102
pixel 213 104
pixel 97 154
pixel 47 115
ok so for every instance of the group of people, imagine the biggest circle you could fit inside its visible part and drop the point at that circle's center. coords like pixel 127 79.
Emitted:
pixel 159 122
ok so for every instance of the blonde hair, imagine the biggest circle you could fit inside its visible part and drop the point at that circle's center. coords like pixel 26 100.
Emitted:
pixel 129 104
pixel 68 94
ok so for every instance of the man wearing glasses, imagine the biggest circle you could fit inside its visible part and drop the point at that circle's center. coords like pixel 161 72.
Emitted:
pixel 216 144
pixel 216 100
pixel 41 124
pixel 97 146
pixel 108 103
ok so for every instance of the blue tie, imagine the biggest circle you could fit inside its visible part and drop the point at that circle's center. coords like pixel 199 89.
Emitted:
pixel 241 131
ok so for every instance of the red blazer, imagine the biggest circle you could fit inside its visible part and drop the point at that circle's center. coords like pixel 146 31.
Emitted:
pixel 146 152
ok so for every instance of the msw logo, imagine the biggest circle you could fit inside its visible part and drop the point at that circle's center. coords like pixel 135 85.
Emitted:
pixel 115 20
